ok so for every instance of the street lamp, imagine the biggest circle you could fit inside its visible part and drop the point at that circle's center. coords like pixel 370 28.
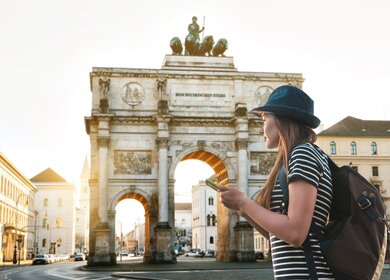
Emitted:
pixel 121 242
pixel 19 236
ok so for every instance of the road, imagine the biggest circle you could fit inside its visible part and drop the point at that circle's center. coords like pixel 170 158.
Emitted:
pixel 73 271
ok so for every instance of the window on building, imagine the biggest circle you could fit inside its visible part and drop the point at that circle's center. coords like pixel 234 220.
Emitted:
pixel 44 242
pixel 332 148
pixel 211 239
pixel 374 148
pixel 208 220
pixel 45 202
pixel 211 200
pixel 58 223
pixel 214 220
pixel 44 222
pixel 375 171
pixel 353 148
pixel 59 242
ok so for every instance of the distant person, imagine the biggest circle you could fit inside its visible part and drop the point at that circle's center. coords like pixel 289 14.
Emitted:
pixel 193 28
pixel 288 126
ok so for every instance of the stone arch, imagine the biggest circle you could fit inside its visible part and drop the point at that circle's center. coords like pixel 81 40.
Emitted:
pixel 150 216
pixel 217 161
pixel 224 173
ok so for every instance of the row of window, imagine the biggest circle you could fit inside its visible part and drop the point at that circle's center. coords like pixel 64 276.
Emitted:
pixel 353 148
pixel 46 225
pixel 8 215
pixel 46 202
pixel 11 190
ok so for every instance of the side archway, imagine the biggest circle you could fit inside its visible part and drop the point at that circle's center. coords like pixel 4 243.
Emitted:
pixel 150 218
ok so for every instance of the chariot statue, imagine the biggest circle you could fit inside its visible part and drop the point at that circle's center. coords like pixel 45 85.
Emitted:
pixel 194 46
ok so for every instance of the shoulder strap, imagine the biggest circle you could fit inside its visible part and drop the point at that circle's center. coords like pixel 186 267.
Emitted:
pixel 284 186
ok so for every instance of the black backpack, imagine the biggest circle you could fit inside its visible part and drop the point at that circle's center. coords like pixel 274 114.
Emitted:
pixel 355 238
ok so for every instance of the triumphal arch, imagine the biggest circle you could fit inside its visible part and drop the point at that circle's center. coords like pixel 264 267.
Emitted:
pixel 145 121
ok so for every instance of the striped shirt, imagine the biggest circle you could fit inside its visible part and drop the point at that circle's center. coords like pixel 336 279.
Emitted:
pixel 310 164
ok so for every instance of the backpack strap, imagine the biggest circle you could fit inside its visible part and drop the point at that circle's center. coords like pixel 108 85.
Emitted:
pixel 308 252
pixel 284 187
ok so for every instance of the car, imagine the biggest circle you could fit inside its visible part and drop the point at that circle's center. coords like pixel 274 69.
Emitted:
pixel 199 254
pixel 125 253
pixel 41 259
pixel 190 254
pixel 259 255
pixel 210 254
pixel 79 257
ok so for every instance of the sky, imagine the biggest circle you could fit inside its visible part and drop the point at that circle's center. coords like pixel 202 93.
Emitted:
pixel 48 49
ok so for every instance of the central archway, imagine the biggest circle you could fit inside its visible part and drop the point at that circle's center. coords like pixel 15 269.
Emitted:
pixel 225 238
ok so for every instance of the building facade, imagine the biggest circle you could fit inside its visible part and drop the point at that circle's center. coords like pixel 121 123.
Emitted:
pixel 365 146
pixel 183 225
pixel 204 217
pixel 82 212
pixel 17 215
pixel 55 204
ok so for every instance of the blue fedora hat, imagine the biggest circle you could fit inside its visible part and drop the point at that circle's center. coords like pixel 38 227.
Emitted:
pixel 291 102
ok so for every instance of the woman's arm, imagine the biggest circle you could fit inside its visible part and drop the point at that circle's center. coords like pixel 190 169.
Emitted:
pixel 292 228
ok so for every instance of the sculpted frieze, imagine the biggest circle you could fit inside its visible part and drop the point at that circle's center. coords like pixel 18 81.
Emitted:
pixel 132 162
pixel 222 147
pixel 262 162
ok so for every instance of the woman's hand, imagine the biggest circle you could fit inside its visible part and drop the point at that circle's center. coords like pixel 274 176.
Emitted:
pixel 231 197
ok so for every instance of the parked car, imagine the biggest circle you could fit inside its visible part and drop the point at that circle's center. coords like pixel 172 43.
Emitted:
pixel 191 253
pixel 200 254
pixel 210 254
pixel 259 255
pixel 79 257
pixel 41 259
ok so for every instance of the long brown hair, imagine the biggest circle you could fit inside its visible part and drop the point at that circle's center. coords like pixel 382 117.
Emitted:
pixel 291 134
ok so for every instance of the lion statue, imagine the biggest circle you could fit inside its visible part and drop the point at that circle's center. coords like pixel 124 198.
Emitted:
pixel 220 47
pixel 176 46
pixel 191 45
pixel 206 46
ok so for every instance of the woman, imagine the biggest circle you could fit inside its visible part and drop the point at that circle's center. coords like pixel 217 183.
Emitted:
pixel 288 123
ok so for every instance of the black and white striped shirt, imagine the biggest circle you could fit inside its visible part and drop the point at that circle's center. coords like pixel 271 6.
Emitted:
pixel 308 163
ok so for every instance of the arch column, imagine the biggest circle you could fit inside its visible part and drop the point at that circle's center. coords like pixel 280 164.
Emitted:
pixel 243 230
pixel 102 252
pixel 163 231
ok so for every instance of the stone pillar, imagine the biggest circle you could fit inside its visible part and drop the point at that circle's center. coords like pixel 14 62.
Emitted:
pixel 243 230
pixel 165 252
pixel 103 170
pixel 162 146
pixel 103 252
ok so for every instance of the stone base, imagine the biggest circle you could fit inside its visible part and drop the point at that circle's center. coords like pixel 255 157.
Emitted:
pixel 244 242
pixel 204 63
pixel 102 254
pixel 165 252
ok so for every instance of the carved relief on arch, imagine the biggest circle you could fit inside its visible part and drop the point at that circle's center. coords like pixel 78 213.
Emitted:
pixel 132 162
pixel 262 94
pixel 222 147
pixel 133 93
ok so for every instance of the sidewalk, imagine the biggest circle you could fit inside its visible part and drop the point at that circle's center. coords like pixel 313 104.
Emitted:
pixel 181 265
